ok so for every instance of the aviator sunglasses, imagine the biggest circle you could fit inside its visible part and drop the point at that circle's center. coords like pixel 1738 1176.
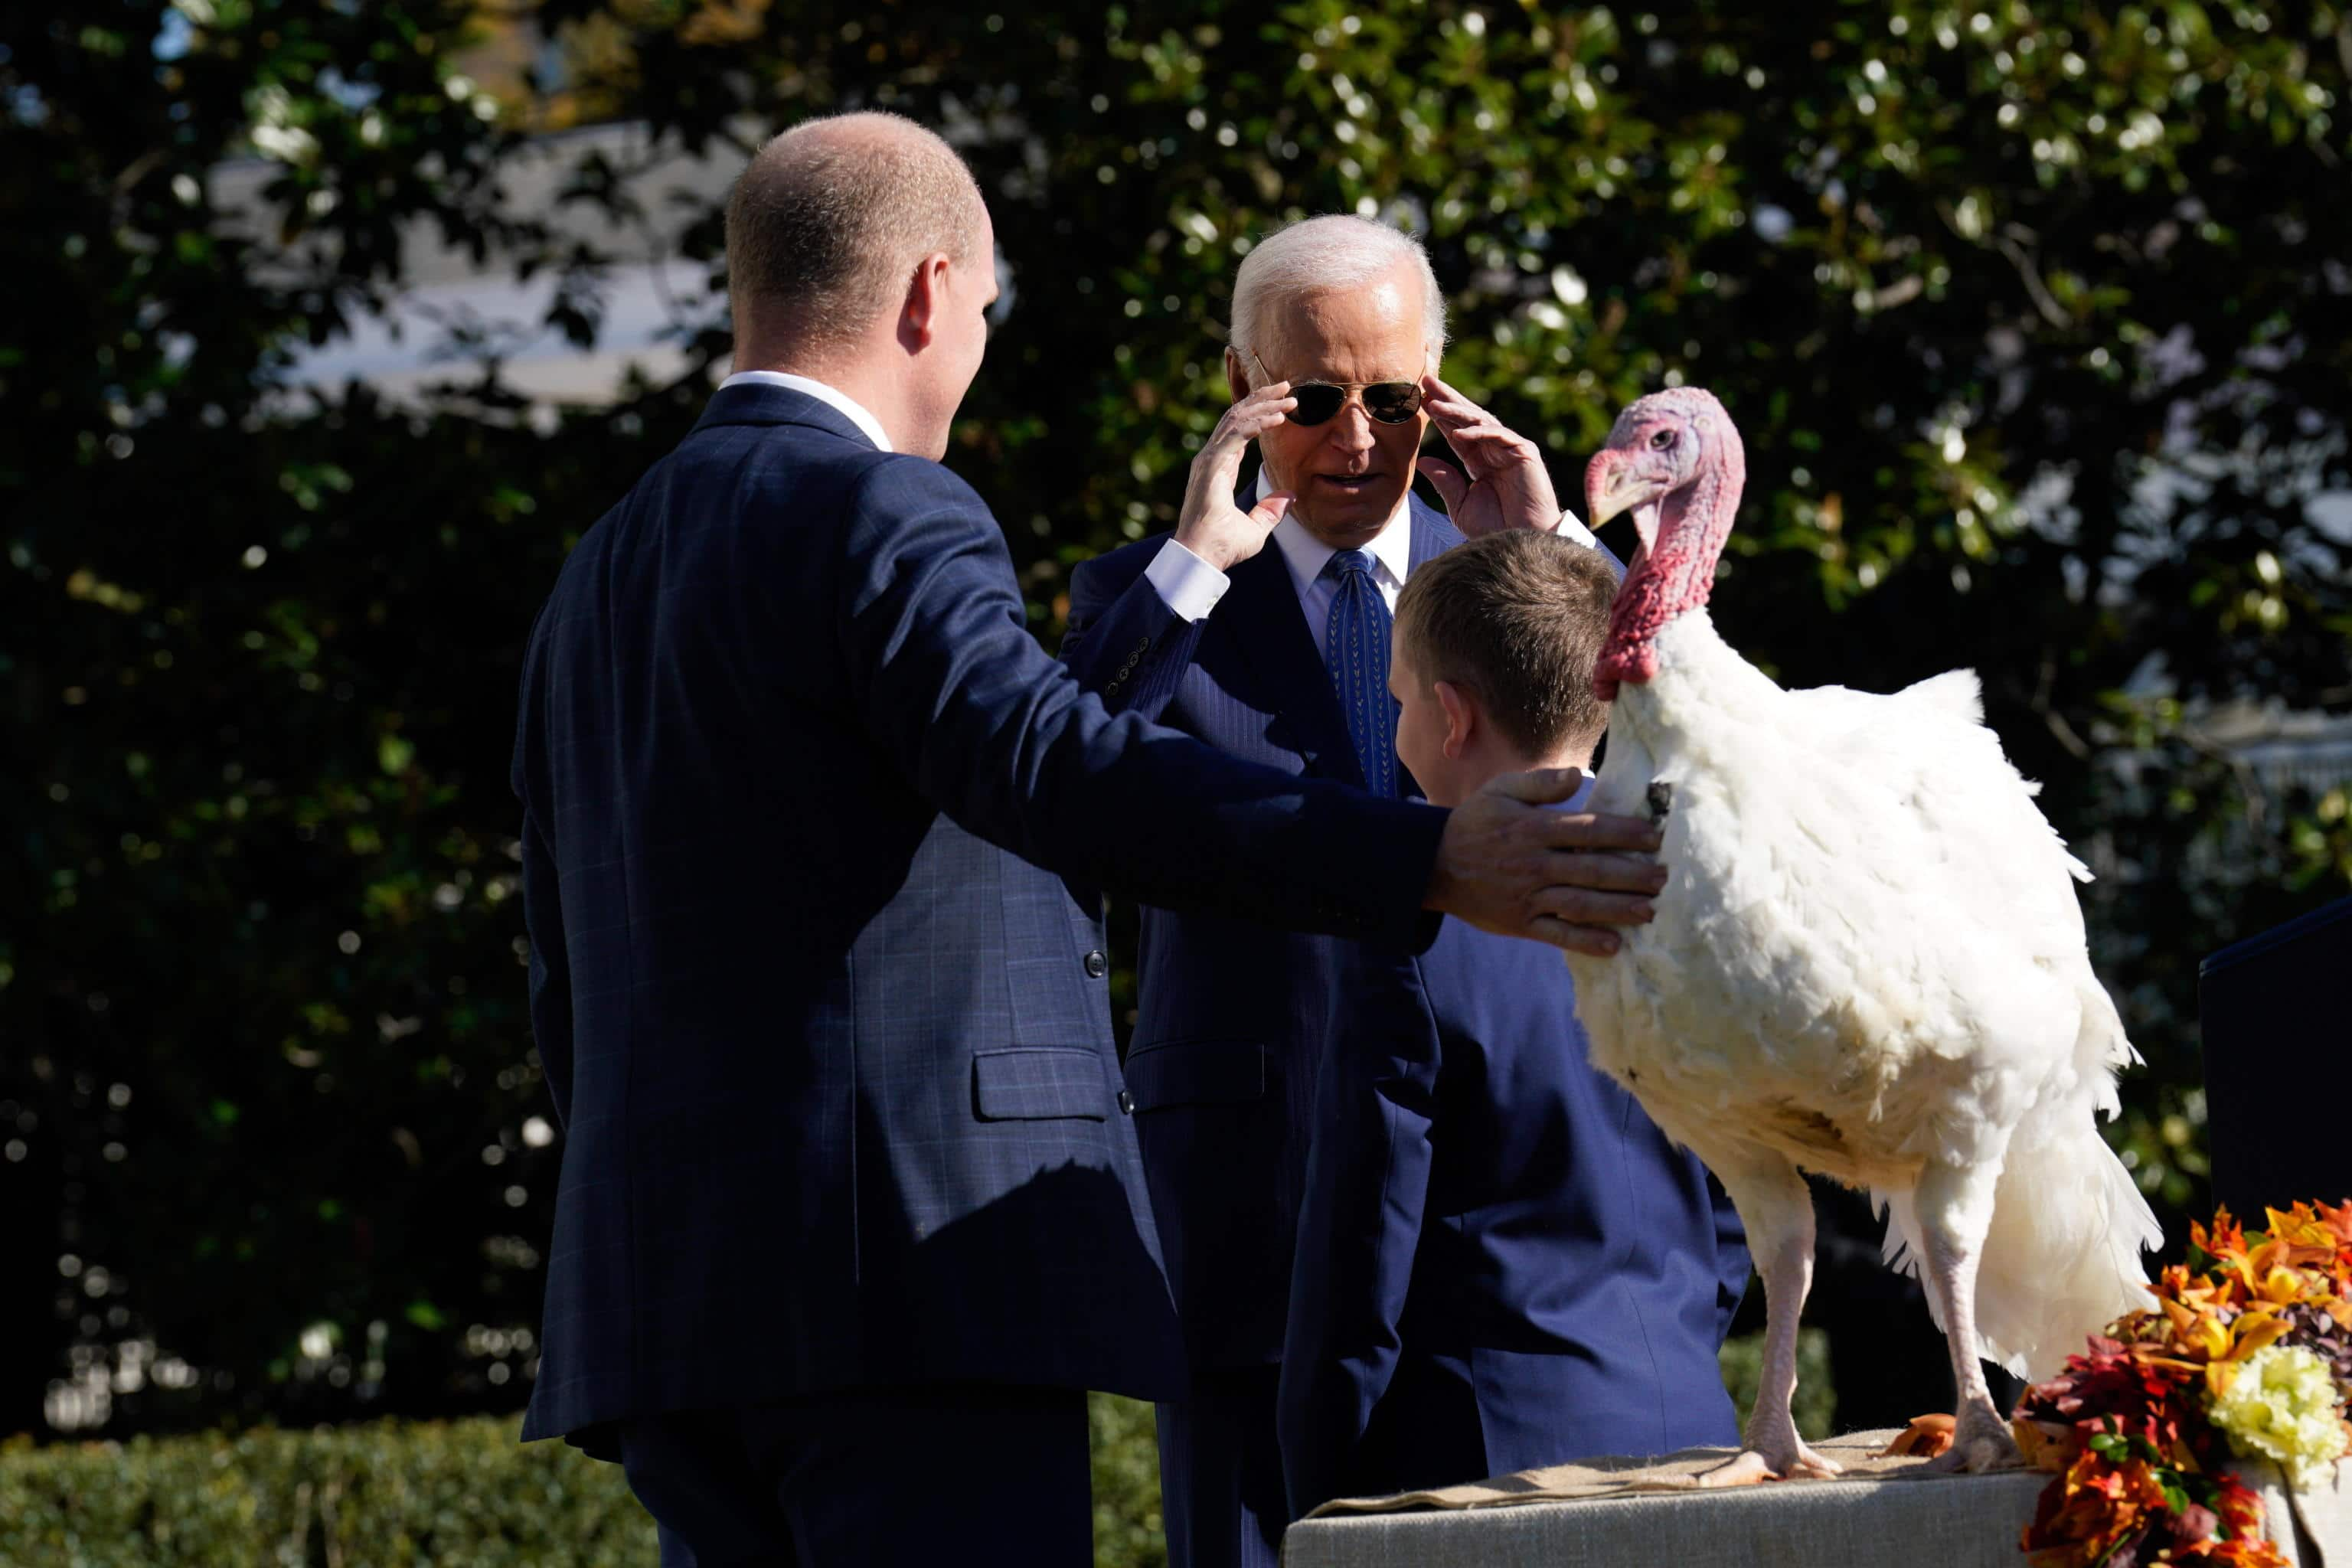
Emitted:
pixel 1390 402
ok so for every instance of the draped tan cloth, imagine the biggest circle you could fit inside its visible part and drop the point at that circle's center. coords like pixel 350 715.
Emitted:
pixel 1626 1512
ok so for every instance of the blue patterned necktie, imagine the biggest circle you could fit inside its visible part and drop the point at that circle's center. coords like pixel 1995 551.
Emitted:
pixel 1356 648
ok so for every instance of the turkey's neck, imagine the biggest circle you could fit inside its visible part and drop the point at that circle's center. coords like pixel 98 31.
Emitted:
pixel 1674 578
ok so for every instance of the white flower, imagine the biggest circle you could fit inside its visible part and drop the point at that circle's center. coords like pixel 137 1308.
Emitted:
pixel 2283 1405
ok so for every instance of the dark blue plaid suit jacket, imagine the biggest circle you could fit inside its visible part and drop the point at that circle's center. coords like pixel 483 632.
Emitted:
pixel 1231 1023
pixel 835 1072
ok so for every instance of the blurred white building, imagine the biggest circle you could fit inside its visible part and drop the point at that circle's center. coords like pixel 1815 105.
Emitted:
pixel 453 313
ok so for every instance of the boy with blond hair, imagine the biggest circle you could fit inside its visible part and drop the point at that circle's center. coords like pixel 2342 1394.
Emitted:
pixel 1501 1262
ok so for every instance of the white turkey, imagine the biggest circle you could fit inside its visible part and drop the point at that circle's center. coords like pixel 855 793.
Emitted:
pixel 1868 962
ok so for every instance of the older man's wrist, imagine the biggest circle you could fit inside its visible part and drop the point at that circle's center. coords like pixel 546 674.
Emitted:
pixel 1187 583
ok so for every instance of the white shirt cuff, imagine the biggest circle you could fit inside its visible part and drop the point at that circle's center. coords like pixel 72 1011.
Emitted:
pixel 1570 526
pixel 1187 585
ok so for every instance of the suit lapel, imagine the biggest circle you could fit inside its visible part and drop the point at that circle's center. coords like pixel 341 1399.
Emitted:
pixel 1433 533
pixel 1261 612
pixel 1433 536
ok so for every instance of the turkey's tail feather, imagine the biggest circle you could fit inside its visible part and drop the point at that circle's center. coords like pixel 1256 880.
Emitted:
pixel 2061 1257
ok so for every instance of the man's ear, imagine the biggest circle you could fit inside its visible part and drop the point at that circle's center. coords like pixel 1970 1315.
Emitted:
pixel 927 302
pixel 1460 719
pixel 1235 380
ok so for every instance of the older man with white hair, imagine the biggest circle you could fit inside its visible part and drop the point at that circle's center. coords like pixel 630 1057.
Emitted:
pixel 1279 655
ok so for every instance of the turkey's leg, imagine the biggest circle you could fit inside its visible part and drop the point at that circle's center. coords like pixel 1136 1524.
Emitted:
pixel 1778 1212
pixel 1955 1209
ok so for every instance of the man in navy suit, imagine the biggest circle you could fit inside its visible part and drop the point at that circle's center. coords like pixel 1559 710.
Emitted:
pixel 1277 655
pixel 850 1211
pixel 1502 1262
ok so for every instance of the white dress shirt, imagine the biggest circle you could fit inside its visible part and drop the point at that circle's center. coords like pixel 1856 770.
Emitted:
pixel 832 397
pixel 1306 556
pixel 1190 587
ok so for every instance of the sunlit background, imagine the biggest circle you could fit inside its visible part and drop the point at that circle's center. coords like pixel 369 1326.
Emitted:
pixel 331 326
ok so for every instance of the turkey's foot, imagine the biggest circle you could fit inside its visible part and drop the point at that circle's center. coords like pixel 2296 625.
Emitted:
pixel 1980 1442
pixel 1771 1452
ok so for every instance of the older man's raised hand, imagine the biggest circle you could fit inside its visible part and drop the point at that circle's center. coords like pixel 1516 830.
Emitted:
pixel 1212 527
pixel 1501 483
pixel 1511 864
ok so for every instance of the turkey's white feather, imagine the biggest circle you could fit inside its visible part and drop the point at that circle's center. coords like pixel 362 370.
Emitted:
pixel 1868 954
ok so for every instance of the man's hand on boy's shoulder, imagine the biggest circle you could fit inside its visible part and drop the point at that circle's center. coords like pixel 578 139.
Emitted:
pixel 1508 866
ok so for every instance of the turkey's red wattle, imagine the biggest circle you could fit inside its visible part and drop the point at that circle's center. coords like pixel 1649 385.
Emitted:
pixel 1676 574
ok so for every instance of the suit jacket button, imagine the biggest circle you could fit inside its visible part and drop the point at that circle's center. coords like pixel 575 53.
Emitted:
pixel 1126 1103
pixel 1097 966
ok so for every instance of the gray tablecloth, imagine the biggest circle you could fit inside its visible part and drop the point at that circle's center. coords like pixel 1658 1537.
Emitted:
pixel 1620 1513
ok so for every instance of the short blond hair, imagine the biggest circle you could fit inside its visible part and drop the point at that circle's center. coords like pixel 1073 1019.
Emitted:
pixel 825 225
pixel 1518 618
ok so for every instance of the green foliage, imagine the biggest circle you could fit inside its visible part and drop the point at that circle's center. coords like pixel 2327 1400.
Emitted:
pixel 459 1494
pixel 380 1493
pixel 1815 1406
pixel 2036 318
pixel 1128 1529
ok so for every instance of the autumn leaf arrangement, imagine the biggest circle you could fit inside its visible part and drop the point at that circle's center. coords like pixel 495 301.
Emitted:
pixel 2246 1354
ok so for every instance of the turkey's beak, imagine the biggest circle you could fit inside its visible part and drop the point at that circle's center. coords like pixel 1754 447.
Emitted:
pixel 1609 486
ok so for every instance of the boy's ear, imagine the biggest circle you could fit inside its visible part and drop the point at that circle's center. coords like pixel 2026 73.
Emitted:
pixel 1461 718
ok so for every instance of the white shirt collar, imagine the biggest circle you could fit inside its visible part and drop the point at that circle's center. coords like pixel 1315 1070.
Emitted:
pixel 1306 556
pixel 832 397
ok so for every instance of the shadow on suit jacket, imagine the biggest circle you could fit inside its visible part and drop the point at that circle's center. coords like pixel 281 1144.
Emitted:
pixel 1231 1019
pixel 835 1070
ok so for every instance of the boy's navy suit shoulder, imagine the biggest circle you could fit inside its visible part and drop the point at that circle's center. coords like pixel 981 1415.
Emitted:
pixel 1502 1262
pixel 826 1054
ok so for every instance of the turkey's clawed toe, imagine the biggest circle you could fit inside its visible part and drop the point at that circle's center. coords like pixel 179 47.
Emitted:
pixel 1745 1470
pixel 1753 1465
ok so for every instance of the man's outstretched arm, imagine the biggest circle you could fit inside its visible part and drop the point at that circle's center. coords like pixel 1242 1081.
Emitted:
pixel 997 734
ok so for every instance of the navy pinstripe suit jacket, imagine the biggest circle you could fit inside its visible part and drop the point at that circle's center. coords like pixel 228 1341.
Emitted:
pixel 835 1070
pixel 1231 1021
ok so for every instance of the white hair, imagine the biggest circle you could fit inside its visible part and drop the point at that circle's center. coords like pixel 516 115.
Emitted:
pixel 1339 251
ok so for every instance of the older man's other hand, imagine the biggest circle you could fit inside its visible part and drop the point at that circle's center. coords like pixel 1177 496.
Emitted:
pixel 1212 527
pixel 1510 865
pixel 1502 482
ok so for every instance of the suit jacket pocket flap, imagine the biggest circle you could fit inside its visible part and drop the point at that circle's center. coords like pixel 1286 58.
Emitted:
pixel 1196 1072
pixel 1037 1083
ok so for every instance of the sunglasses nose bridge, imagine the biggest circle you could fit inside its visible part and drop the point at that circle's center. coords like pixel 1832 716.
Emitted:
pixel 1352 428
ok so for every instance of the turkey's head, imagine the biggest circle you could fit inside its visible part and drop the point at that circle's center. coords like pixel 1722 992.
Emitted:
pixel 1675 462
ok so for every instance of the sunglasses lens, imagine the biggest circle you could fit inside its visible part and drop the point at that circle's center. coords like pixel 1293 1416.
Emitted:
pixel 1392 401
pixel 1316 402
